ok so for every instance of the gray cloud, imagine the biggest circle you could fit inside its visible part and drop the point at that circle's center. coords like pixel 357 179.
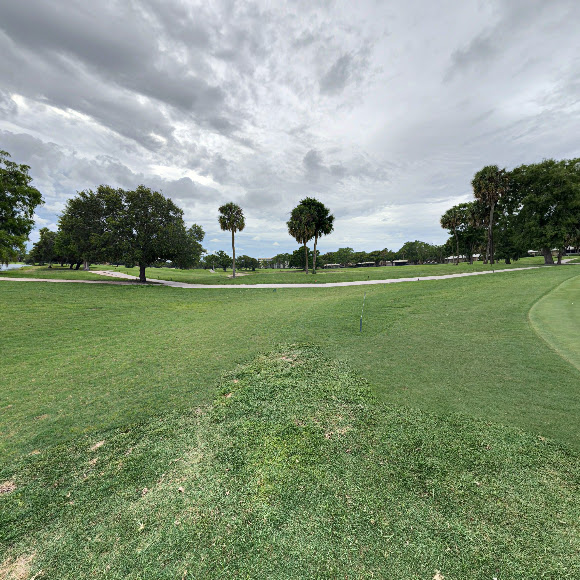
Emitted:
pixel 381 110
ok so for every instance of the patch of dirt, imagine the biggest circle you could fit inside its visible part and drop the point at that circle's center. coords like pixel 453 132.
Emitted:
pixel 18 569
pixel 41 417
pixel 97 445
pixel 7 487
pixel 239 274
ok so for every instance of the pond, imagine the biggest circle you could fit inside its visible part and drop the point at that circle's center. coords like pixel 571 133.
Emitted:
pixel 11 266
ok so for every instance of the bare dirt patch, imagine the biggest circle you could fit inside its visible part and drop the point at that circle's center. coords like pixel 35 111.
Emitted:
pixel 7 487
pixel 18 569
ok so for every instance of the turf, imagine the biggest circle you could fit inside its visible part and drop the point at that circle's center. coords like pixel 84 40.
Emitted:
pixel 556 318
pixel 296 471
pixel 56 272
pixel 77 358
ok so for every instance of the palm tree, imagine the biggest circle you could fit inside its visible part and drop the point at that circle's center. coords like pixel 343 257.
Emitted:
pixel 301 228
pixel 323 222
pixel 231 218
pixel 489 185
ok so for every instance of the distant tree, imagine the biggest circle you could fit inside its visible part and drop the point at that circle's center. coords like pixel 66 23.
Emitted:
pixel 44 250
pixel 280 260
pixel 489 185
pixel 344 256
pixel 18 199
pixel 297 259
pixel 451 220
pixel 247 263
pixel 223 260
pixel 322 222
pixel 190 253
pixel 231 219
pixel 302 227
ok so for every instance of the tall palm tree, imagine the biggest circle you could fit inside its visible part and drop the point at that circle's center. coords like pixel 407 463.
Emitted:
pixel 489 185
pixel 301 228
pixel 231 218
pixel 323 222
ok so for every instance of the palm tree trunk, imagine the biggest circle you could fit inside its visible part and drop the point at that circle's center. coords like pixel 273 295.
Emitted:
pixel 314 256
pixel 305 259
pixel 490 236
pixel 234 255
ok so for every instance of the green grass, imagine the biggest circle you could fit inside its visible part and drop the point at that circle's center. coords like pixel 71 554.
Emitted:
pixel 274 276
pixel 81 358
pixel 56 272
pixel 296 471
pixel 556 318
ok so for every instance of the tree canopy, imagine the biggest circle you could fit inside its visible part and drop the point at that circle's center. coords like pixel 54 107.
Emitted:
pixel 18 200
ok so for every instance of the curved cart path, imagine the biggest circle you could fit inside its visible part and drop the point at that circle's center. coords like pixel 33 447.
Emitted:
pixel 127 279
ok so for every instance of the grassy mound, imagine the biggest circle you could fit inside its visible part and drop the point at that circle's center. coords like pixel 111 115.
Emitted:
pixel 295 471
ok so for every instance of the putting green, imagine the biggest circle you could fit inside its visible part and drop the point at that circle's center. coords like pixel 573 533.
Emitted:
pixel 556 318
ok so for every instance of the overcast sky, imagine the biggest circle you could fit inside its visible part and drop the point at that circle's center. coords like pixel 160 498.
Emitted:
pixel 383 110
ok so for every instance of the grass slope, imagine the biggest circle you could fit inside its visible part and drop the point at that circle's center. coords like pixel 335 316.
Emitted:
pixel 296 471
pixel 556 318
pixel 78 358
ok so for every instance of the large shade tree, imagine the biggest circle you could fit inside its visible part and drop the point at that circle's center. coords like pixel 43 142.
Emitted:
pixel 546 203
pixel 232 219
pixel 322 222
pixel 89 225
pixel 18 199
pixel 301 226
pixel 150 228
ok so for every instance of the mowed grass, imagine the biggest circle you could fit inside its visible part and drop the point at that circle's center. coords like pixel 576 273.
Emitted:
pixel 322 276
pixel 81 358
pixel 556 317
pixel 295 471
pixel 56 272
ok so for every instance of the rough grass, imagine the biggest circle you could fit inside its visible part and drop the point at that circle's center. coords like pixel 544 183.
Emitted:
pixel 77 358
pixel 296 471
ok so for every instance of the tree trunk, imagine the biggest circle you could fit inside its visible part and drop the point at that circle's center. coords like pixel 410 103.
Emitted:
pixel 78 266
pixel 508 261
pixel 87 266
pixel 234 256
pixel 314 256
pixel 559 257
pixel 490 235
pixel 142 273
pixel 71 266
pixel 547 253
pixel 456 248
pixel 305 259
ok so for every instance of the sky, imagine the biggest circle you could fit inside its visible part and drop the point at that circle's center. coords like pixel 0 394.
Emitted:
pixel 382 110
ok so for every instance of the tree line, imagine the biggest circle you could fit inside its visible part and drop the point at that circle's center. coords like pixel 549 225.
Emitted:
pixel 535 206
pixel 532 207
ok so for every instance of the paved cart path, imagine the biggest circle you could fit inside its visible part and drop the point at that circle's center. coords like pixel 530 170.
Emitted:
pixel 125 279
